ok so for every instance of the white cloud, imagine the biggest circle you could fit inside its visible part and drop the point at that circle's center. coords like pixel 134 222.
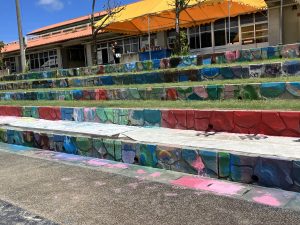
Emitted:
pixel 52 4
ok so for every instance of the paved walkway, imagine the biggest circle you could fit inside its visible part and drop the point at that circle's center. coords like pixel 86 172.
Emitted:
pixel 262 145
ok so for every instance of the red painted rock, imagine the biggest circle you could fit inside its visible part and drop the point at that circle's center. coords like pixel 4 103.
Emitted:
pixel 274 121
pixel 247 119
pixel 100 94
pixel 180 116
pixel 101 70
pixel 190 119
pixel 11 111
pixel 172 94
pixel 201 114
pixel 201 124
pixel 49 113
pixel 222 121
pixel 264 129
pixel 168 119
pixel 291 120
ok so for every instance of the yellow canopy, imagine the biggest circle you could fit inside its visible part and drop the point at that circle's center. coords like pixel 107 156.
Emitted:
pixel 134 18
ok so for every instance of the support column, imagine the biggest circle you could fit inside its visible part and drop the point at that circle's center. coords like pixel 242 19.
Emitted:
pixel 88 52
pixel 59 58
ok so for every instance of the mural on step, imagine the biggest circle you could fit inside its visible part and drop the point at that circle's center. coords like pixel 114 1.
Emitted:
pixel 254 169
pixel 246 55
pixel 251 91
pixel 276 123
pixel 270 70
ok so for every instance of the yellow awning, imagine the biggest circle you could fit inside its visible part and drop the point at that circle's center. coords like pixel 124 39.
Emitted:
pixel 134 18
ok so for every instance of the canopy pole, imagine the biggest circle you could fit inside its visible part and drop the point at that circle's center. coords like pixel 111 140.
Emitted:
pixel 281 23
pixel 229 18
pixel 149 38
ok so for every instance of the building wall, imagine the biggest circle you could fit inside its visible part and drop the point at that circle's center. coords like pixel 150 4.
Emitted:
pixel 291 25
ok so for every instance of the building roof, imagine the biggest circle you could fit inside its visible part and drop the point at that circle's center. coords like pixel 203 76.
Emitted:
pixel 65 23
pixel 56 38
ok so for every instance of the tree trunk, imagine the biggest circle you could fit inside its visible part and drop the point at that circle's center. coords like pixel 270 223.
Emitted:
pixel 177 28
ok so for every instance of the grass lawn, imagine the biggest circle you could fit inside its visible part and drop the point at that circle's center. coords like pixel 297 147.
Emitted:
pixel 208 82
pixel 228 104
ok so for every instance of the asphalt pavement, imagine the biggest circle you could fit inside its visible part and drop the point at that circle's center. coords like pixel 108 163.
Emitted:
pixel 70 194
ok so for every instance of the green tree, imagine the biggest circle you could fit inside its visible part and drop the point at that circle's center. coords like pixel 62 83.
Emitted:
pixel 180 6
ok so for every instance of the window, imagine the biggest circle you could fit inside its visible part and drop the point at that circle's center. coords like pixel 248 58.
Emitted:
pixel 220 32
pixel 42 60
pixel 205 31
pixel 171 39
pixel 254 28
pixel 194 38
pixel 234 30
pixel 131 45
pixel 10 63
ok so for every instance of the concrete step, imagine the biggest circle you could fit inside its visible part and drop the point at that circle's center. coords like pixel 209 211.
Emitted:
pixel 263 160
pixel 275 123
pixel 201 185
pixel 246 91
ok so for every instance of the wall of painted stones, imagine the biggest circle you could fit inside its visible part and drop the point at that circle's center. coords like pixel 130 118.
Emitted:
pixel 269 70
pixel 246 55
pixel 253 91
pixel 276 123
pixel 261 170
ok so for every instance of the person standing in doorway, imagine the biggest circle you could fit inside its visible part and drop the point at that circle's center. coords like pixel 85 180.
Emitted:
pixel 116 50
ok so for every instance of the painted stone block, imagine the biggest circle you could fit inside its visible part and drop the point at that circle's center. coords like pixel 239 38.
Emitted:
pixel 151 78
pixel 77 94
pixel 138 79
pixel 272 90
pixel 256 54
pixel 147 155
pixel 229 91
pixel 121 116
pixel 155 93
pixel 214 91
pixel 99 150
pixel 156 64
pixel 46 142
pixel 69 145
pixel 171 76
pixel 296 174
pixel 188 61
pixel 165 63
pixel 272 70
pixel 107 80
pixel 89 95
pixel 224 164
pixel 100 94
pixel 152 117
pixel 171 94
pixel 209 159
pixel 293 88
pixel 247 121
pixel 291 67
pixel 222 121
pixel 292 122
pixel 136 117
pixel 242 168
pixel 67 113
pixel 15 137
pixel 78 114
pixel 248 91
pixel 133 94
pixel 184 92
pixel 199 93
pixel 129 152
pixel 84 146
pixel 226 72
pixel 3 135
pixel 28 139
pixel 274 173
pixel 210 73
pixel 290 51
pixel 273 121
pixel 113 149
pixel 256 71
pixel 30 112
pixel 49 113
pixel 167 156
pixel 90 115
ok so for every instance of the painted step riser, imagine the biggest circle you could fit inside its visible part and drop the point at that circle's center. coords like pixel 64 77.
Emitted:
pixel 275 123
pixel 280 90
pixel 238 56
pixel 245 168
pixel 290 68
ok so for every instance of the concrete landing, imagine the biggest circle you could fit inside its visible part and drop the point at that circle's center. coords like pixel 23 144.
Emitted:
pixel 285 147
pixel 262 160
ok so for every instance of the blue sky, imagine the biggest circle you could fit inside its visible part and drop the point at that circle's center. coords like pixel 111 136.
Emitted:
pixel 39 13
